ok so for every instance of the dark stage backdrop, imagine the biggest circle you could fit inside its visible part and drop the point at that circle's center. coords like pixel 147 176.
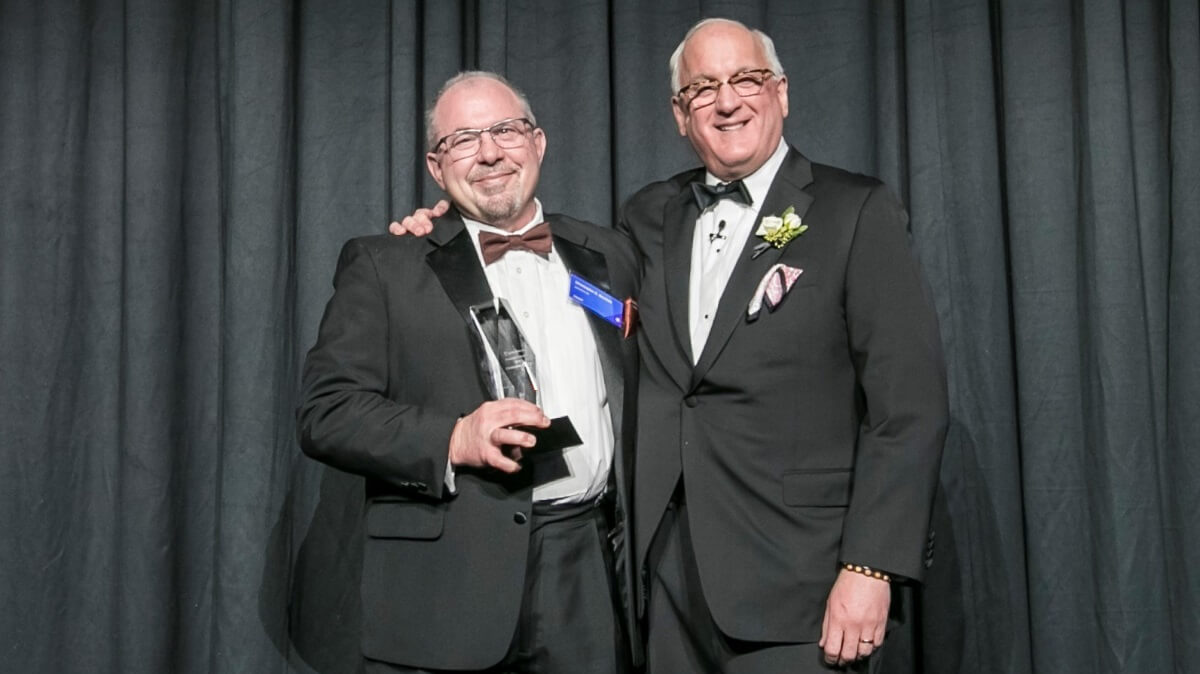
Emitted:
pixel 176 179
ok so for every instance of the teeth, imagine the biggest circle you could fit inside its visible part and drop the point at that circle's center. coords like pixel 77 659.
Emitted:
pixel 731 127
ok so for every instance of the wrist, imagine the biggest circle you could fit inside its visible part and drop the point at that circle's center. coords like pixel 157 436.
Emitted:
pixel 454 451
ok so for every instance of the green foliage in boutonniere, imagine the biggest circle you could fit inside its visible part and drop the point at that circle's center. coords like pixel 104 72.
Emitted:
pixel 778 230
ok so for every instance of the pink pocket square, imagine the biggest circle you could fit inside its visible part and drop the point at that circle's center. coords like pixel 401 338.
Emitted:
pixel 771 290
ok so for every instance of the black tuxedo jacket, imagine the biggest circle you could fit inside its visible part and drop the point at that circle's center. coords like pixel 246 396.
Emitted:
pixel 810 435
pixel 392 370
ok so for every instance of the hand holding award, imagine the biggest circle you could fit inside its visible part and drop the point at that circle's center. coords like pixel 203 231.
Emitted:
pixel 508 370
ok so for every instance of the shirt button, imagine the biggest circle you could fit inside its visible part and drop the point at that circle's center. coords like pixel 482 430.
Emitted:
pixel 518 270
pixel 525 314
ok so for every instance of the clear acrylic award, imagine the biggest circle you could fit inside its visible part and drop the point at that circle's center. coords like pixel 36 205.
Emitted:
pixel 509 370
pixel 506 363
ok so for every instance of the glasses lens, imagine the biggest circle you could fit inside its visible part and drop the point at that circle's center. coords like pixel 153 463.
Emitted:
pixel 748 83
pixel 703 93
pixel 508 134
pixel 462 144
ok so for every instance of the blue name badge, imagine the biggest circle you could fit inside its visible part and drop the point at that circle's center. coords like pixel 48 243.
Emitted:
pixel 595 300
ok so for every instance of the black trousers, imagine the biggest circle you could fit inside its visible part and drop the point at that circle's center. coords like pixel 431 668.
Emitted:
pixel 681 633
pixel 568 620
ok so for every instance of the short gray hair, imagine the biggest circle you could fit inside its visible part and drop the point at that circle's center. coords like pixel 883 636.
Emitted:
pixel 764 40
pixel 431 133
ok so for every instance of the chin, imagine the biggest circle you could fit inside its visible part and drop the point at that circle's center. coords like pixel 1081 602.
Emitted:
pixel 733 164
pixel 732 154
pixel 498 209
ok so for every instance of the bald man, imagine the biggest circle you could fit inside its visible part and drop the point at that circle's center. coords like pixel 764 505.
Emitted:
pixel 479 556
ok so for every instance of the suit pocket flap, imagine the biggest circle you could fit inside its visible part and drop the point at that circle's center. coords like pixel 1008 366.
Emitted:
pixel 404 519
pixel 828 488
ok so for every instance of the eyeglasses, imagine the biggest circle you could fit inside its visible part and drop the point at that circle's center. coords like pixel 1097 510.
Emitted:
pixel 507 133
pixel 704 93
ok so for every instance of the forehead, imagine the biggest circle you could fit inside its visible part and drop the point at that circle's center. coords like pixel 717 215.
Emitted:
pixel 720 50
pixel 475 104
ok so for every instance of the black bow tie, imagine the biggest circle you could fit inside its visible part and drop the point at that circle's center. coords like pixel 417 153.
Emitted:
pixel 707 195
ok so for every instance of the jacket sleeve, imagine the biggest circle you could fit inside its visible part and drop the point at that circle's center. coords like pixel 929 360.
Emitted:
pixel 346 418
pixel 896 350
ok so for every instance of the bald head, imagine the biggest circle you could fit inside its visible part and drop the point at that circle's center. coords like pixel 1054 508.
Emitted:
pixel 471 77
pixel 764 40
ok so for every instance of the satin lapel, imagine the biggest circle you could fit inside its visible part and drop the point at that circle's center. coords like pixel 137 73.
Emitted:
pixel 786 190
pixel 570 242
pixel 679 224
pixel 456 264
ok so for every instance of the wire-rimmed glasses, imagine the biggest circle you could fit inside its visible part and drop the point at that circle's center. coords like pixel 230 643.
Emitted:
pixel 507 133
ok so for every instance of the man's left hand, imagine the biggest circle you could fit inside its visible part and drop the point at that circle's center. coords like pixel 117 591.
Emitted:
pixel 419 223
pixel 855 617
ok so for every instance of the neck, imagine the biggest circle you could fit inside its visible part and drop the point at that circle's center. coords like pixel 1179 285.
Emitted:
pixel 727 175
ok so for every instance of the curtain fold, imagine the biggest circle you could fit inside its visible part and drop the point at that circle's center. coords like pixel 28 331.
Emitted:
pixel 177 177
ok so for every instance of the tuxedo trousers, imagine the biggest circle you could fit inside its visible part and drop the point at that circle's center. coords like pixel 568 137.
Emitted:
pixel 568 618
pixel 681 633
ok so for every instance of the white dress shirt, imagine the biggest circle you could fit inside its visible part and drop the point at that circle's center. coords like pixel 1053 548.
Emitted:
pixel 718 241
pixel 567 364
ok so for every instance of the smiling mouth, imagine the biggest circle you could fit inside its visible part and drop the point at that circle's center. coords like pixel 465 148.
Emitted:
pixel 731 127
pixel 492 178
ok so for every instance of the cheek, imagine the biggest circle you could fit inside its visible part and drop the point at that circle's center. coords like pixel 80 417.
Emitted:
pixel 705 134
pixel 457 183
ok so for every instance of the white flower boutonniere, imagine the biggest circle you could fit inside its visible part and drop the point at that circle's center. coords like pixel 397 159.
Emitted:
pixel 778 230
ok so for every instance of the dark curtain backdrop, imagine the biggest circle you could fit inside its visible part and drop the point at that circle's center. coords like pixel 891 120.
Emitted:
pixel 176 179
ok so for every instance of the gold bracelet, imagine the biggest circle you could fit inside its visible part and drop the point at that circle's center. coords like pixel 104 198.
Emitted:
pixel 867 571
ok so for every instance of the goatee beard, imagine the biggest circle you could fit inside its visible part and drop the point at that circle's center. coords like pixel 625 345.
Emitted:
pixel 499 207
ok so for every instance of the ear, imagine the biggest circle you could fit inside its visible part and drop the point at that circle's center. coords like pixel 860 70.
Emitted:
pixel 681 115
pixel 435 169
pixel 539 143
pixel 781 94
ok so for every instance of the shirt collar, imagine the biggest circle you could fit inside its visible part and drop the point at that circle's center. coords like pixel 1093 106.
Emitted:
pixel 760 181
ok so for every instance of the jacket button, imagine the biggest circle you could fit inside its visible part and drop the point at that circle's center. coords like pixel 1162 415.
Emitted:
pixel 520 517
pixel 690 401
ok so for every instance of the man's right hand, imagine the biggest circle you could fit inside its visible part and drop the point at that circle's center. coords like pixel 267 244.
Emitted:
pixel 479 438
pixel 421 222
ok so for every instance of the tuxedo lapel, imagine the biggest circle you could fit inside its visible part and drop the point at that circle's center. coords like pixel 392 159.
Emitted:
pixel 570 242
pixel 456 264
pixel 786 190
pixel 679 224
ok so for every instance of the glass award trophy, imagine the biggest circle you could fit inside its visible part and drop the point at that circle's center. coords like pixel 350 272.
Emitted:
pixel 509 370
pixel 506 362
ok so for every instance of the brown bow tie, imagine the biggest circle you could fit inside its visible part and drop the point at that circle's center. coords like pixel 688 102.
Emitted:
pixel 536 240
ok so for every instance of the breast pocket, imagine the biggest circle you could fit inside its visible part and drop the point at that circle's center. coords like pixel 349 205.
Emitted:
pixel 821 488
pixel 795 315
pixel 404 519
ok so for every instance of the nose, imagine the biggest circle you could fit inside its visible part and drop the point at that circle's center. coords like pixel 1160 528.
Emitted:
pixel 727 99
pixel 489 152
